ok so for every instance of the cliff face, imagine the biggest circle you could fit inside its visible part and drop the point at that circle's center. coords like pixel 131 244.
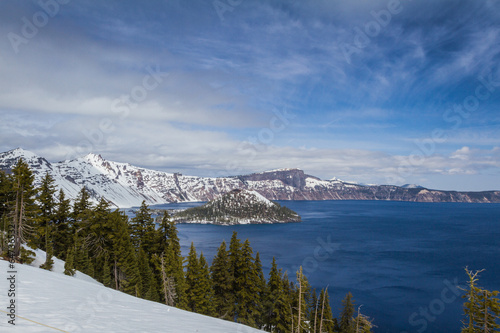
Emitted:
pixel 126 185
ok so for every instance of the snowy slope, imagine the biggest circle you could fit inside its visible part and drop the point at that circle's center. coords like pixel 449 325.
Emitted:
pixel 73 305
pixel 126 185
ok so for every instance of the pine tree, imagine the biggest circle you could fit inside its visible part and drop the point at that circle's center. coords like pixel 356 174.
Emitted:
pixel 69 268
pixel 261 292
pixel 62 234
pixel 277 313
pixel 205 303
pixel 363 323
pixel 107 279
pixel 168 282
pixel 301 302
pixel 234 258
pixel 24 207
pixel 246 287
pixel 49 262
pixel 482 308
pixel 144 271
pixel 98 230
pixel 124 261
pixel 346 319
pixel 326 322
pixel 45 218
pixel 222 282
pixel 175 262
pixel 192 274
pixel 142 227
pixel 6 194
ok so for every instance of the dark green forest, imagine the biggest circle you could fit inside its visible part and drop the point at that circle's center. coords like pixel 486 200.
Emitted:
pixel 144 259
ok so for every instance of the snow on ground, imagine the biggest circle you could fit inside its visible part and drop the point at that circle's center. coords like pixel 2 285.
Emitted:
pixel 53 302
pixel 58 267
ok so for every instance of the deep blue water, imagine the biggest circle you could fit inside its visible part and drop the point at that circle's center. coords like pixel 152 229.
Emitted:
pixel 400 260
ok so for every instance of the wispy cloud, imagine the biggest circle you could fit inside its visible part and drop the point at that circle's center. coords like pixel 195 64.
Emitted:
pixel 225 78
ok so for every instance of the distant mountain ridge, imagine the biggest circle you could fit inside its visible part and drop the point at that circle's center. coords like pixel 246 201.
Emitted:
pixel 126 185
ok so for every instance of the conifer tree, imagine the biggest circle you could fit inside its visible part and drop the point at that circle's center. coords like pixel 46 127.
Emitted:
pixel 144 271
pixel 24 207
pixel 192 274
pixel 482 308
pixel 45 218
pixel 82 206
pixel 62 234
pixel 124 261
pixel 199 288
pixel 346 323
pixel 326 322
pixel 234 258
pixel 175 261
pixel 205 304
pixel 222 282
pixel 363 323
pixel 107 279
pixel 246 288
pixel 98 230
pixel 301 302
pixel 6 194
pixel 142 227
pixel 49 262
pixel 69 268
pixel 277 313
pixel 261 292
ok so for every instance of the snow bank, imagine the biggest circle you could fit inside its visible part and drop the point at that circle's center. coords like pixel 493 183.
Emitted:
pixel 70 304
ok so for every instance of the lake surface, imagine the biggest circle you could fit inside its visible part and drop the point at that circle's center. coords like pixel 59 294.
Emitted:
pixel 400 260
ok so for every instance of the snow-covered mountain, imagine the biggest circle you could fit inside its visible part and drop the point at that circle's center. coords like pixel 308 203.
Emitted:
pixel 51 302
pixel 126 185
pixel 238 207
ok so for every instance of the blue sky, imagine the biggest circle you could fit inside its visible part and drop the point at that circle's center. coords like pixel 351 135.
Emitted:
pixel 369 91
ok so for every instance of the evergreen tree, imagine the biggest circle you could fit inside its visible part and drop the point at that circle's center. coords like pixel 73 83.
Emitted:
pixel 175 261
pixel 482 308
pixel 246 287
pixel 98 230
pixel 277 313
pixel 234 258
pixel 301 303
pixel 82 212
pixel 222 282
pixel 363 324
pixel 144 271
pixel 45 218
pixel 124 261
pixel 69 268
pixel 61 235
pixel 24 207
pixel 199 288
pixel 192 274
pixel 261 292
pixel 107 279
pixel 142 227
pixel 6 194
pixel 49 262
pixel 205 305
pixel 346 319
pixel 325 321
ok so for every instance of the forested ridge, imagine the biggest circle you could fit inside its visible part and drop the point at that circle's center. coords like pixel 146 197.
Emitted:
pixel 140 258
pixel 238 206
